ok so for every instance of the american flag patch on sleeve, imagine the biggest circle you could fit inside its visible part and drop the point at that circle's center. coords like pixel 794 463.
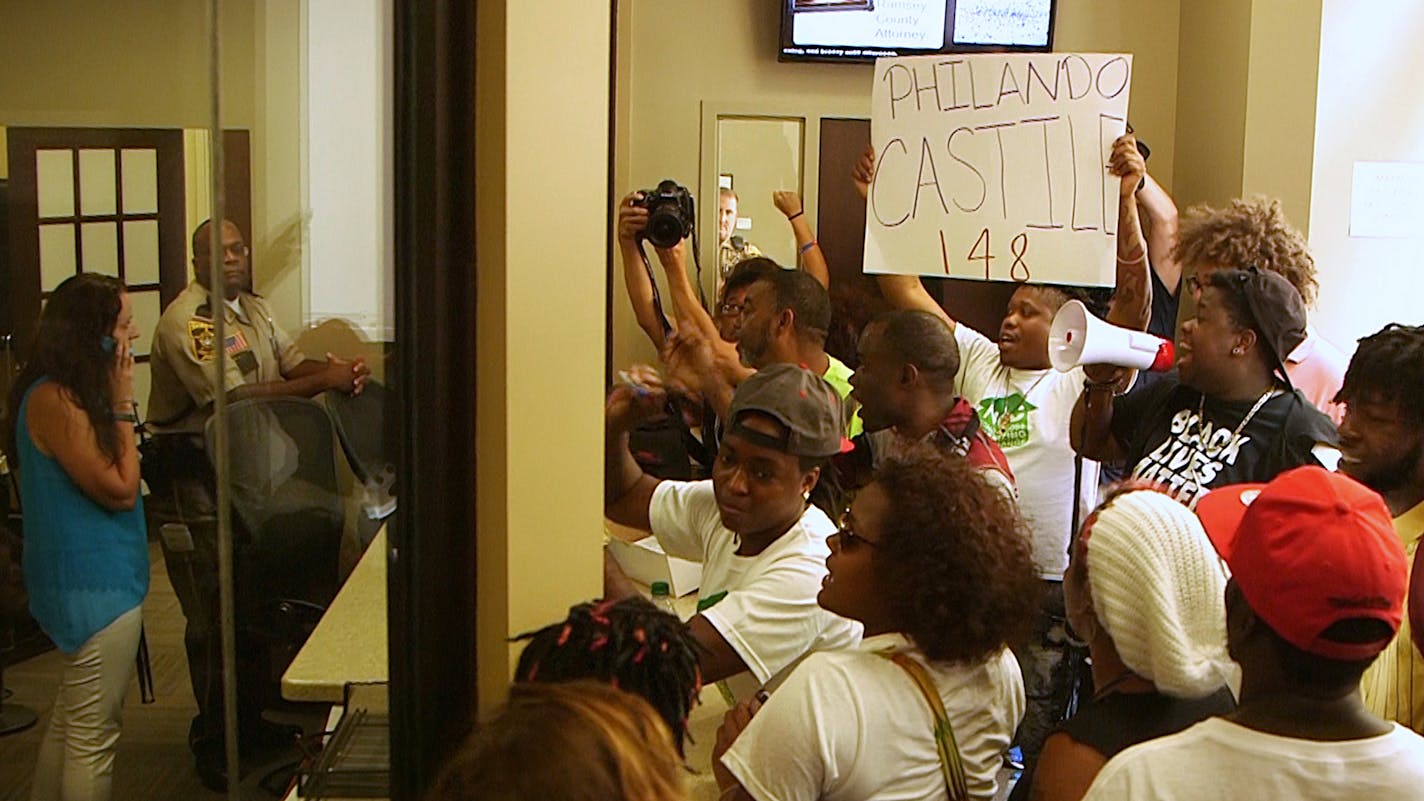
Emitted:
pixel 235 343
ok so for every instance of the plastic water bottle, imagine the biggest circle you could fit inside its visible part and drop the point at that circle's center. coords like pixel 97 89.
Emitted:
pixel 662 597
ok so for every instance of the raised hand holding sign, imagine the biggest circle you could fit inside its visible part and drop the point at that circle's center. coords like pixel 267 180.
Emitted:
pixel 997 167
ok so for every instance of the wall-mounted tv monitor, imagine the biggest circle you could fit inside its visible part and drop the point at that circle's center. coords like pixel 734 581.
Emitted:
pixel 864 30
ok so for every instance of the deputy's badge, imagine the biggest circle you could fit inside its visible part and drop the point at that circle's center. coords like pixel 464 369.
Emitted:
pixel 202 339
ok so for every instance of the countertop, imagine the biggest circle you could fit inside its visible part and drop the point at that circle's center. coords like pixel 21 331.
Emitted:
pixel 349 643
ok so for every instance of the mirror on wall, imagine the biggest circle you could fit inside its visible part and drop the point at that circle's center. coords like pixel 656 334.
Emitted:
pixel 756 156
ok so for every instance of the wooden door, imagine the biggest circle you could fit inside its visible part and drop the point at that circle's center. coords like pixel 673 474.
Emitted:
pixel 105 200
pixel 840 229
pixel 840 226
pixel 101 200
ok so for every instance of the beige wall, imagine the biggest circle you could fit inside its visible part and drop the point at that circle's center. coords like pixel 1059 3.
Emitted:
pixel 1148 29
pixel 88 63
pixel 762 156
pixel 92 63
pixel 1246 101
pixel 541 317
pixel 1369 110
pixel 1280 103
pixel 672 57
pixel 1211 100
pixel 278 203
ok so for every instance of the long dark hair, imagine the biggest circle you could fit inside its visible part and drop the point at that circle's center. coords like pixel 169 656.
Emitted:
pixel 69 350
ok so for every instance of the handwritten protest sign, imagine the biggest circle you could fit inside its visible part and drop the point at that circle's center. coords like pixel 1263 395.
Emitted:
pixel 995 166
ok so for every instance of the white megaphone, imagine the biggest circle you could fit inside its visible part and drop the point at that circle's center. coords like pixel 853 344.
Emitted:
pixel 1077 337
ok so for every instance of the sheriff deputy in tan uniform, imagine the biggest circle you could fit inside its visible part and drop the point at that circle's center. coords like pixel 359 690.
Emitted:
pixel 731 250
pixel 261 360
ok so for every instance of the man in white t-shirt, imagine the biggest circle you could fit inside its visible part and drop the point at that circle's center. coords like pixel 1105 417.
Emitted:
pixel 1317 591
pixel 1025 406
pixel 762 545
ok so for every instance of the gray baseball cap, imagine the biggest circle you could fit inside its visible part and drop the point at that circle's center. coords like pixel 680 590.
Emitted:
pixel 801 401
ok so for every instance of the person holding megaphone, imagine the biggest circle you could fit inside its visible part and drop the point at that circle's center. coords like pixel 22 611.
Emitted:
pixel 1228 415
pixel 1024 406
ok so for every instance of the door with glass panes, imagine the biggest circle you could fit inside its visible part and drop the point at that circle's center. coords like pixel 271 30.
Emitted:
pixel 101 200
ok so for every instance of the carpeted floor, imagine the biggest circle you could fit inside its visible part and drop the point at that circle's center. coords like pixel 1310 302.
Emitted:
pixel 153 760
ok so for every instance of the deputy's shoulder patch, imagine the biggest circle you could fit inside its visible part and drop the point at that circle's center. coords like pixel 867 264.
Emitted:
pixel 201 338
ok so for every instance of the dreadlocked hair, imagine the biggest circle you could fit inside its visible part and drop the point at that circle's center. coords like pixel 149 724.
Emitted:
pixel 627 643
pixel 1388 367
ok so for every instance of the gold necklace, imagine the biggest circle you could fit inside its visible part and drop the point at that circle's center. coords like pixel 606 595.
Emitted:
pixel 1270 392
pixel 1006 417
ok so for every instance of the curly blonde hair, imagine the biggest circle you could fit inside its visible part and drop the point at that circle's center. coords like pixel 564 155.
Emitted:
pixel 1247 232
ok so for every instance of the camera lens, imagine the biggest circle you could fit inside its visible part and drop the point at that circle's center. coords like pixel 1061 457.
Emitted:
pixel 664 229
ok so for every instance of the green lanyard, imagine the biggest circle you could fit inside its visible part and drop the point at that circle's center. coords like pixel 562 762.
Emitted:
pixel 949 761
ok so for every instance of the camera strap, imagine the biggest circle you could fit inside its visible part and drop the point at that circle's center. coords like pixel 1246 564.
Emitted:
pixel 657 296
pixel 697 265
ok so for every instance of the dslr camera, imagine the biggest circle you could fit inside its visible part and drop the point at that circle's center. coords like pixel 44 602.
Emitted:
pixel 671 214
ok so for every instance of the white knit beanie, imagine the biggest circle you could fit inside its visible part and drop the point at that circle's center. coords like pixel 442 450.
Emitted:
pixel 1157 586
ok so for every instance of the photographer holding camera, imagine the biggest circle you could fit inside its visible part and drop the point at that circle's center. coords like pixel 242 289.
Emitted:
pixel 663 216
pixel 783 314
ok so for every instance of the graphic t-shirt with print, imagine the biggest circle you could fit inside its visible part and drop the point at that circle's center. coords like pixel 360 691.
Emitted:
pixel 960 434
pixel 1174 436
pixel 1027 413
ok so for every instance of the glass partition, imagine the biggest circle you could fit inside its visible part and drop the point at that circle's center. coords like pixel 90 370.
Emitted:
pixel 112 158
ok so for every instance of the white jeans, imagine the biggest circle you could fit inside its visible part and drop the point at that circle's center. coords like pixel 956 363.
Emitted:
pixel 76 761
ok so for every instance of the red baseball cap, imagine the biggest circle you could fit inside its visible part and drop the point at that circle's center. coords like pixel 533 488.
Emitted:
pixel 1310 549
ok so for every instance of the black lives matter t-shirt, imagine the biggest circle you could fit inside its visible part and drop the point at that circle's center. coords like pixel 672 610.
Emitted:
pixel 1176 438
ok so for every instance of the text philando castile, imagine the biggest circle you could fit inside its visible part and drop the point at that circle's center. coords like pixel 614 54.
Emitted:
pixel 965 169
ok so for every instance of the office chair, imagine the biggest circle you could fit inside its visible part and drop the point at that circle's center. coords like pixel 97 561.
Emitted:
pixel 368 438
pixel 287 519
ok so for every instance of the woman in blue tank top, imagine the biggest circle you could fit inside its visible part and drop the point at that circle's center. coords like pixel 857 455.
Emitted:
pixel 71 431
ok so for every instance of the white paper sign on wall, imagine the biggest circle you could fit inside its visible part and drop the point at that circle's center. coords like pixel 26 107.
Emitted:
pixel 1387 200
pixel 994 166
